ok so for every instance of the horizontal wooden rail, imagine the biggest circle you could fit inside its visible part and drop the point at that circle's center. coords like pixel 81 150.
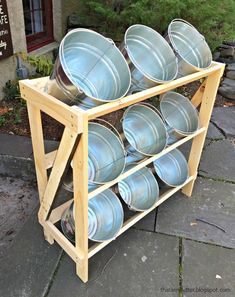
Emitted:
pixel 143 95
pixel 50 159
pixel 51 156
pixel 62 241
pixel 144 163
pixel 56 213
pixel 66 115
pixel 134 219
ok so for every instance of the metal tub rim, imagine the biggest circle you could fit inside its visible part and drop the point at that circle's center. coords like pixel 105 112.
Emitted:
pixel 183 133
pixel 151 78
pixel 178 52
pixel 131 165
pixel 161 120
pixel 70 77
pixel 124 154
pixel 157 169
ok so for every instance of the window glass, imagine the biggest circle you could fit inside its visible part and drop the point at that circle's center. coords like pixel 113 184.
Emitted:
pixel 38 19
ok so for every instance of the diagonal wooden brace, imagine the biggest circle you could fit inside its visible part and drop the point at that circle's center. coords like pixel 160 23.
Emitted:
pixel 65 149
pixel 197 98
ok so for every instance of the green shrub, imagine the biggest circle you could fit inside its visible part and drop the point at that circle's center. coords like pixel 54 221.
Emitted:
pixel 213 18
pixel 2 120
pixel 11 90
pixel 42 64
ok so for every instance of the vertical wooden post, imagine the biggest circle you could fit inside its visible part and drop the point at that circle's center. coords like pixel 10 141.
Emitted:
pixel 35 121
pixel 211 87
pixel 80 183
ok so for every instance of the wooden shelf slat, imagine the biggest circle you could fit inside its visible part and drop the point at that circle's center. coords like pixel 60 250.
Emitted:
pixel 57 212
pixel 126 225
pixel 145 163
pixel 151 92
pixel 134 219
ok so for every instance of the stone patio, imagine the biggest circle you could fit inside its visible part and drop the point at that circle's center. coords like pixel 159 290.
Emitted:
pixel 184 248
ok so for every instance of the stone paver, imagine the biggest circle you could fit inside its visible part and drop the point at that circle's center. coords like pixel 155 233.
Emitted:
pixel 214 133
pixel 227 88
pixel 211 201
pixel 16 146
pixel 21 146
pixel 138 264
pixel 224 117
pixel 218 161
pixel 208 268
pixel 18 198
pixel 16 156
pixel 147 223
pixel 17 167
pixel 29 265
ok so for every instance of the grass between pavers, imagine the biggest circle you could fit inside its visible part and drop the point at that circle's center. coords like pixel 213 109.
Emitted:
pixel 216 179
pixel 47 291
pixel 180 267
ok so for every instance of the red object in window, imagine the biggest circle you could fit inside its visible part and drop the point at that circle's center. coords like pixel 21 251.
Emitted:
pixel 38 17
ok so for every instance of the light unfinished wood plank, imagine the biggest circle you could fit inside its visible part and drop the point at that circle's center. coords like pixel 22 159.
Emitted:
pixel 56 213
pixel 145 163
pixel 50 159
pixel 35 122
pixel 209 95
pixel 40 83
pixel 66 245
pixel 58 110
pixel 80 185
pixel 66 146
pixel 197 98
pixel 134 219
pixel 140 96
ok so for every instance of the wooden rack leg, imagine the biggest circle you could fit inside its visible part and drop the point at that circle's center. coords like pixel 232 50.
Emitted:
pixel 35 121
pixel 38 147
pixel 80 182
pixel 207 105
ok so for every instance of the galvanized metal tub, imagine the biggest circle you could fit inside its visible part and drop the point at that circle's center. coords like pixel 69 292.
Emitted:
pixel 106 157
pixel 105 218
pixel 191 49
pixel 140 190
pixel 90 70
pixel 172 168
pixel 149 56
pixel 67 183
pixel 180 115
pixel 144 130
pixel 106 154
pixel 133 155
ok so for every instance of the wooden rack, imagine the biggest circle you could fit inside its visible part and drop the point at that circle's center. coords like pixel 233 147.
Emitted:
pixel 74 145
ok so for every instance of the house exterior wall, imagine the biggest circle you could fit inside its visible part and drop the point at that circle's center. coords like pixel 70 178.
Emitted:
pixel 8 65
pixel 61 10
